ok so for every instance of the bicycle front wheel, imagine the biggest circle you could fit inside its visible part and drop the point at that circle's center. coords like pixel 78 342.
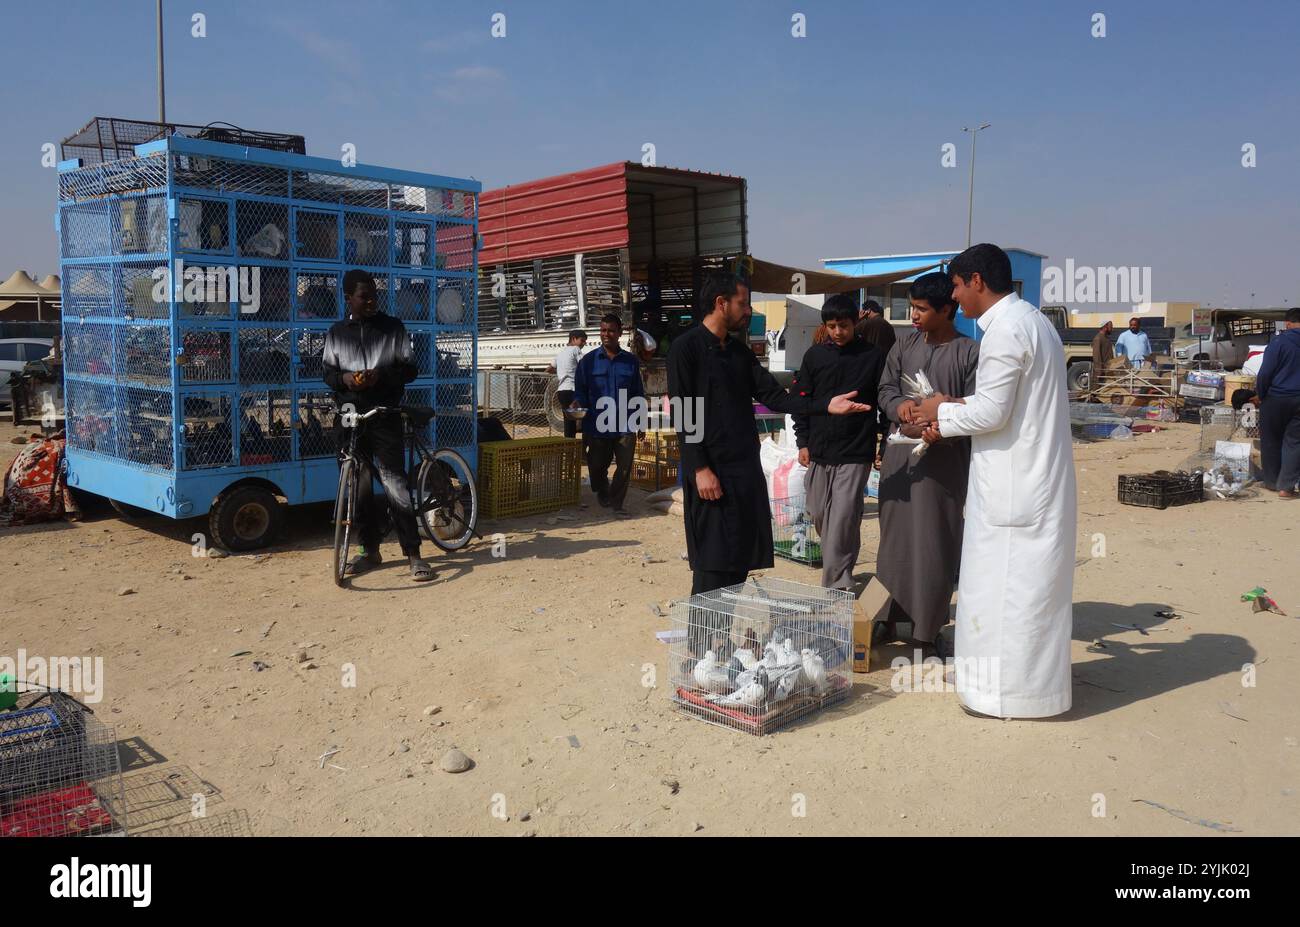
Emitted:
pixel 447 499
pixel 345 506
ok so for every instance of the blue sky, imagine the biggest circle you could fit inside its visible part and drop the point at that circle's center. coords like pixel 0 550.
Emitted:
pixel 1123 150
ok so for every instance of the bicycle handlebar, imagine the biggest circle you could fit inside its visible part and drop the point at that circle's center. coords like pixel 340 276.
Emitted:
pixel 351 419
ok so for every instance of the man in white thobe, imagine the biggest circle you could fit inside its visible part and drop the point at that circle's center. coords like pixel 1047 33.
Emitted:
pixel 1012 648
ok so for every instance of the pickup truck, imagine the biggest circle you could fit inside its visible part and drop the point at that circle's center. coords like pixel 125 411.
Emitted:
pixel 1078 343
pixel 1228 345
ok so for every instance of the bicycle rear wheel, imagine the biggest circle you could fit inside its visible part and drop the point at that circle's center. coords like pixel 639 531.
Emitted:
pixel 447 499
pixel 345 507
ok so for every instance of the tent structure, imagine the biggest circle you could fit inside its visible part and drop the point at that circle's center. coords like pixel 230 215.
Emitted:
pixel 22 299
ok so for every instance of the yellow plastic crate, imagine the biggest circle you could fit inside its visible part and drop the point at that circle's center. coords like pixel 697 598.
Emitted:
pixel 528 476
pixel 658 445
pixel 652 475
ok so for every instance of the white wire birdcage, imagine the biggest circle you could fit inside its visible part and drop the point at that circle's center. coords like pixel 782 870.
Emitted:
pixel 60 774
pixel 757 656
pixel 1224 423
pixel 794 536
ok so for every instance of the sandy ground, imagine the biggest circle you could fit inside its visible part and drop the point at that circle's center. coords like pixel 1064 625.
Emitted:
pixel 537 662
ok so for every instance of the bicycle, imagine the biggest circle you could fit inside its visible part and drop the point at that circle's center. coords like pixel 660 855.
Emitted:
pixel 443 493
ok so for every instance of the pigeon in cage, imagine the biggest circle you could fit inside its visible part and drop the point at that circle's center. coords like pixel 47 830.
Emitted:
pixel 788 681
pixel 789 656
pixel 746 657
pixel 748 696
pixel 814 670
pixel 709 675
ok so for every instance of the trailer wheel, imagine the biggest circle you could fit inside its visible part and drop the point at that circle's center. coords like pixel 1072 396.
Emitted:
pixel 1079 376
pixel 245 518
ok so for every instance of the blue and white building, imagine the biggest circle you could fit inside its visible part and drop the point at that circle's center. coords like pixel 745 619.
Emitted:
pixel 1026 274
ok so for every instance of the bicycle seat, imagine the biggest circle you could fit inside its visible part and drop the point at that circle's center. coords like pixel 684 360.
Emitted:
pixel 419 415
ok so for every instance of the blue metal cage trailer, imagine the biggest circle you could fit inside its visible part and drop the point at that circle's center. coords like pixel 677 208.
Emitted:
pixel 199 280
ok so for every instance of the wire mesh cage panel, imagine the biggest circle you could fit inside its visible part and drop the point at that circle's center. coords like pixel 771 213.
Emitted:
pixel 794 536
pixel 200 283
pixel 108 138
pixel 523 401
pixel 60 775
pixel 759 655
pixel 1224 423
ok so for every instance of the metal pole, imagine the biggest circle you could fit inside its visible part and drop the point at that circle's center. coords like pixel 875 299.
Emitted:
pixel 162 105
pixel 970 200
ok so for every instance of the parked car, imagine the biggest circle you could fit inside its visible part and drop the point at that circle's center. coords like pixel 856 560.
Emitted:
pixel 1077 343
pixel 14 355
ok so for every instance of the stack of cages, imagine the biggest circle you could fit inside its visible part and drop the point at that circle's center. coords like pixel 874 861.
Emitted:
pixel 757 656
pixel 199 281
pixel 794 537
pixel 656 460
pixel 60 774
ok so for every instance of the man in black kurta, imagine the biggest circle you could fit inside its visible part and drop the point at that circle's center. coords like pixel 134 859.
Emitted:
pixel 727 514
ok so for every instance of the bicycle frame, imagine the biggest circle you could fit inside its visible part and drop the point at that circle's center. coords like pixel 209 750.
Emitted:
pixel 415 451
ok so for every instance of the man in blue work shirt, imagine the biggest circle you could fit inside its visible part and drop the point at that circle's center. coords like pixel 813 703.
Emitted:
pixel 1278 385
pixel 1134 343
pixel 605 383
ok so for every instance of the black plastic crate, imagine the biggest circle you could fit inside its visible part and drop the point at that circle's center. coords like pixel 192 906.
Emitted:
pixel 1161 489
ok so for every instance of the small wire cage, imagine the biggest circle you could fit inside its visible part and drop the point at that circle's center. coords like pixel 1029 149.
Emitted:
pixel 760 655
pixel 794 536
pixel 1224 423
pixel 60 774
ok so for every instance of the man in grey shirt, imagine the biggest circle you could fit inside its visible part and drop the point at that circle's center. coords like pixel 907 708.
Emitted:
pixel 566 364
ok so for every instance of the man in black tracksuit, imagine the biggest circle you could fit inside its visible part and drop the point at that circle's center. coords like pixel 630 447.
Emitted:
pixel 838 451
pixel 368 362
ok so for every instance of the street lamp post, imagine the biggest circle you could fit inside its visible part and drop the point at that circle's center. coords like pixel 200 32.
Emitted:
pixel 970 202
pixel 162 106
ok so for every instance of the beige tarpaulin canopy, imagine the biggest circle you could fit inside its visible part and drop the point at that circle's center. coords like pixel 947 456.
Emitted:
pixel 23 299
pixel 780 278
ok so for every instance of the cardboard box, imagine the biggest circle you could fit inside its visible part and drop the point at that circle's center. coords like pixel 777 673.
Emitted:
pixel 871 606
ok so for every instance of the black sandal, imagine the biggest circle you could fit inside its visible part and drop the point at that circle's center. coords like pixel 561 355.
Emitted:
pixel 362 563
pixel 421 572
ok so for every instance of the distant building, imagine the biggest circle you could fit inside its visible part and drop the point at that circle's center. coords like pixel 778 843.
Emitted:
pixel 1026 273
pixel 1176 315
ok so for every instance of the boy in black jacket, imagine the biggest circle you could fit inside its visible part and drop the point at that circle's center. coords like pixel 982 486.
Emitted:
pixel 838 451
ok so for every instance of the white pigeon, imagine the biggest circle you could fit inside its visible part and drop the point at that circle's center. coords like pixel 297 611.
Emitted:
pixel 746 658
pixel 709 675
pixel 771 655
pixel 789 656
pixel 814 670
pixel 750 696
